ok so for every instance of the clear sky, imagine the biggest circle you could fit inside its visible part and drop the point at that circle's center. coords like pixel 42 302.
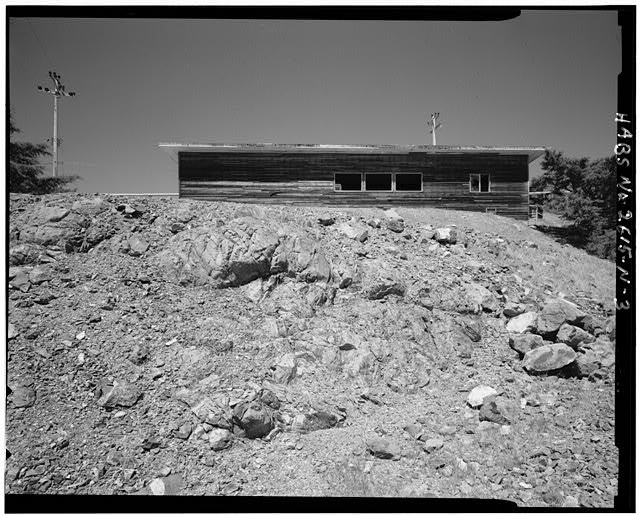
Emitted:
pixel 546 78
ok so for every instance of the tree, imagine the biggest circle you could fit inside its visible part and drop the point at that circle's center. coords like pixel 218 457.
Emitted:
pixel 25 169
pixel 584 192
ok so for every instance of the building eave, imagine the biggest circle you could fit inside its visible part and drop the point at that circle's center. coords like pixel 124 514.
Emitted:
pixel 174 149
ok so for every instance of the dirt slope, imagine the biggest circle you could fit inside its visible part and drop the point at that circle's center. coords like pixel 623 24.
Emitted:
pixel 166 346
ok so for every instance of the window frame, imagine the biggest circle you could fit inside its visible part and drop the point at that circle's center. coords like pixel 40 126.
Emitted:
pixel 479 175
pixel 409 173
pixel 363 182
pixel 393 182
pixel 348 191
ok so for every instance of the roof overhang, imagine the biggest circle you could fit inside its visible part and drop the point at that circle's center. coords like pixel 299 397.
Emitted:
pixel 174 149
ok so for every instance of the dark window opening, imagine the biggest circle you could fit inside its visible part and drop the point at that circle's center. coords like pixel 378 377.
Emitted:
pixel 484 182
pixel 378 181
pixel 408 182
pixel 479 183
pixel 348 182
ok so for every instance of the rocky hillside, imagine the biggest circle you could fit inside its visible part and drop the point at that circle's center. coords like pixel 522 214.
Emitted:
pixel 161 346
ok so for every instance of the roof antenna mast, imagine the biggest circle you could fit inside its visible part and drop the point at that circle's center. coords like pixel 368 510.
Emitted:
pixel 57 92
pixel 434 126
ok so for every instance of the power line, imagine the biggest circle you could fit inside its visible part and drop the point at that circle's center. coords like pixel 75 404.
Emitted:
pixel 40 43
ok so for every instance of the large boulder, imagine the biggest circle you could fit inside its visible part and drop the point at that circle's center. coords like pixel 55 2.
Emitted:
pixel 524 323
pixel 54 233
pixel 301 256
pixel 230 255
pixel 554 314
pixel 26 253
pixel 548 358
pixel 46 214
pixel 378 280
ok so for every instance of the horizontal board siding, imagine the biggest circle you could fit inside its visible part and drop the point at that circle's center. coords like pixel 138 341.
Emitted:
pixel 308 178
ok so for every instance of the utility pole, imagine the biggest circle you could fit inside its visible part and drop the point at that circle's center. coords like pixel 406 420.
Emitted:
pixel 57 92
pixel 434 127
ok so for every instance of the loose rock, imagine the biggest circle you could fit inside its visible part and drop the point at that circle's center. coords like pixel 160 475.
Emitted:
pixel 139 353
pixel 446 236
pixel 490 412
pixel 556 313
pixel 378 281
pixel 548 358
pixel 478 394
pixel 137 245
pixel 39 275
pixel 513 309
pixel 395 225
pixel 524 323
pixel 255 418
pixel 285 369
pixel 573 336
pixel 120 393
pixel 355 233
pixel 23 397
pixel 383 448
pixel 523 343
pixel 326 220
pixel 433 444
pixel 219 439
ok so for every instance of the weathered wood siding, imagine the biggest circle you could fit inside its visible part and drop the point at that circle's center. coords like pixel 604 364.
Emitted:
pixel 308 178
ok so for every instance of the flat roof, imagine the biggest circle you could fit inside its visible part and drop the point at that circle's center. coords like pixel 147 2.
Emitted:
pixel 174 148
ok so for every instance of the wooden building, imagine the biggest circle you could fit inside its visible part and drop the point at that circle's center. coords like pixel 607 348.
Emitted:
pixel 487 179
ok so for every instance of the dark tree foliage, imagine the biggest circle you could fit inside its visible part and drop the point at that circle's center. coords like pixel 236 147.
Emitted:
pixel 25 169
pixel 584 192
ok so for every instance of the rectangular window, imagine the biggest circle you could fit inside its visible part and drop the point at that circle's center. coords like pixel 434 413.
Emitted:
pixel 348 182
pixel 491 210
pixel 479 183
pixel 377 181
pixel 408 182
